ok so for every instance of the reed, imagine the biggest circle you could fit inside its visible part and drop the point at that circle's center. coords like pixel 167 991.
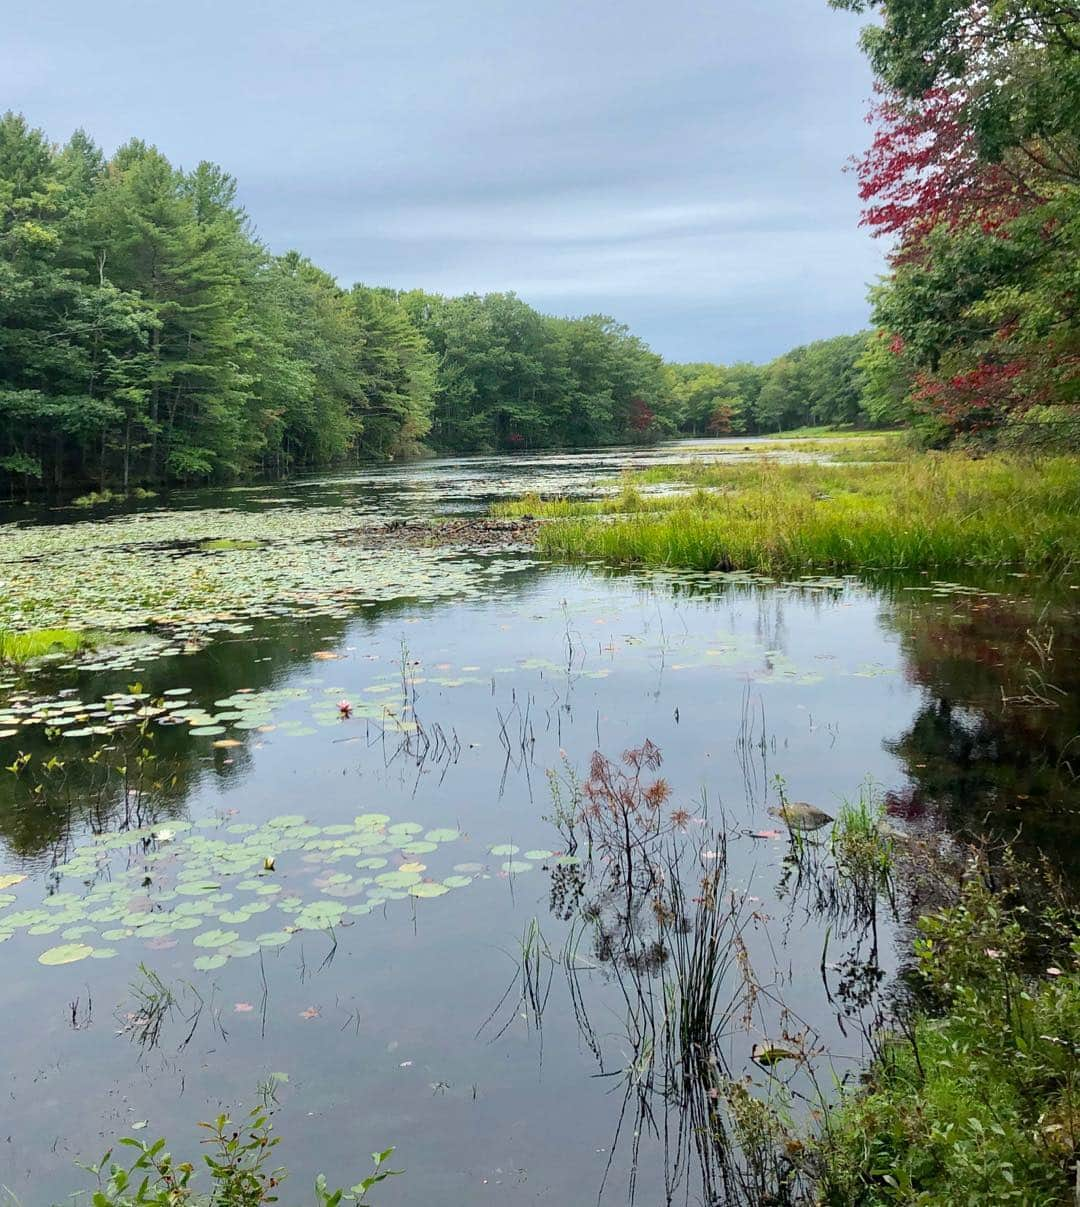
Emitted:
pixel 933 511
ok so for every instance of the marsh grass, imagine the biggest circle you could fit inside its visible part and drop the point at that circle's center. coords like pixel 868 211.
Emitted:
pixel 861 839
pixel 17 649
pixel 939 511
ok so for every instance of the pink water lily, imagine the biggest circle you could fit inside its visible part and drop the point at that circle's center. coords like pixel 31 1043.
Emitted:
pixel 345 709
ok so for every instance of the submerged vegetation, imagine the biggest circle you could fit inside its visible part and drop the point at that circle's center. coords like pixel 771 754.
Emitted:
pixel 941 512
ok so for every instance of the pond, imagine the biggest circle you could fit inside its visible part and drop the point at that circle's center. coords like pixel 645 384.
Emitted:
pixel 299 829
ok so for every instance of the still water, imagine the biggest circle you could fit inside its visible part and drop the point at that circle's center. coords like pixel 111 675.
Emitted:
pixel 429 963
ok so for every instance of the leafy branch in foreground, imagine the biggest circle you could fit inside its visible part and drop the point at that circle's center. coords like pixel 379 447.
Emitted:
pixel 239 1161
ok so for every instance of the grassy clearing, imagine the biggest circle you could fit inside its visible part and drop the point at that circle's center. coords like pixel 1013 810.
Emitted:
pixel 930 511
pixel 17 649
pixel 979 1102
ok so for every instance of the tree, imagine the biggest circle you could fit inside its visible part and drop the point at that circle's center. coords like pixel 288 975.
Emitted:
pixel 976 169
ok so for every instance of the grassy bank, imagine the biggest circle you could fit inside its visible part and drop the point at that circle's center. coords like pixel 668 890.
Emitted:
pixel 930 511
pixel 979 1102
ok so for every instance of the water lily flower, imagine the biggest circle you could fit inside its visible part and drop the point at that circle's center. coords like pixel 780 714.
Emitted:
pixel 164 835
pixel 345 708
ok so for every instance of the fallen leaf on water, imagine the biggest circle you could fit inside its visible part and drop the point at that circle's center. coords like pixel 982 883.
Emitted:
pixel 766 834
pixel 137 1127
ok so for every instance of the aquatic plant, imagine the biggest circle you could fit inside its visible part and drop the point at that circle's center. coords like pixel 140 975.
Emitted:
pixel 212 881
pixel 18 648
pixel 863 840
pixel 238 1157
pixel 942 511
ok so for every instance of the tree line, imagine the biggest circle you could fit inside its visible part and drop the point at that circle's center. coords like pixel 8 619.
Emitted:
pixel 830 382
pixel 974 173
pixel 148 336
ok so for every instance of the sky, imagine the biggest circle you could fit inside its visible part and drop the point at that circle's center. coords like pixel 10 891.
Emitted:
pixel 677 164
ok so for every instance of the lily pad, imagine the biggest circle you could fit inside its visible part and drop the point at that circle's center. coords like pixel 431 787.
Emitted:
pixel 66 953
pixel 442 835
pixel 209 963
pixel 215 938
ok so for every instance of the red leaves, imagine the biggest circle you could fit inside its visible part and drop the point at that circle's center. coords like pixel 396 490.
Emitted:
pixel 923 168
pixel 641 415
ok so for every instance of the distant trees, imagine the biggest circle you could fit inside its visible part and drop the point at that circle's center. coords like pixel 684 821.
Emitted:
pixel 510 377
pixel 824 383
pixel 147 336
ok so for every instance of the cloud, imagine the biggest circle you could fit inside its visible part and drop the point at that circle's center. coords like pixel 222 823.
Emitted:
pixel 676 165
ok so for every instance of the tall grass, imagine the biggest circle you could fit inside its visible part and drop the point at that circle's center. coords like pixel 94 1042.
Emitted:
pixel 16 649
pixel 932 511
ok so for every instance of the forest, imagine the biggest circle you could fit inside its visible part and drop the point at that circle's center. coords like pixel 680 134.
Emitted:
pixel 147 335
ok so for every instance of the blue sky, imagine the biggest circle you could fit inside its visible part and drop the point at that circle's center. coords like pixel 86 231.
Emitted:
pixel 676 164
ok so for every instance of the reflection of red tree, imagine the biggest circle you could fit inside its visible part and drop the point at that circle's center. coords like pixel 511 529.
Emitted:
pixel 973 759
pixel 515 440
pixel 641 415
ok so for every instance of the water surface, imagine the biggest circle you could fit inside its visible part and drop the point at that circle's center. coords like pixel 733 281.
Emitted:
pixel 383 1017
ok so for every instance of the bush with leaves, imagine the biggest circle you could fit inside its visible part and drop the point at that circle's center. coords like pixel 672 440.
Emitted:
pixel 239 1159
pixel 976 1099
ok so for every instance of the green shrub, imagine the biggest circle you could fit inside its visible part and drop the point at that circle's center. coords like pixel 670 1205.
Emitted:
pixel 240 1163
pixel 979 1101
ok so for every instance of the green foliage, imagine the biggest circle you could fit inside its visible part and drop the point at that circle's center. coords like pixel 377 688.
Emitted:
pixel 979 1102
pixel 16 649
pixel 932 511
pixel 976 167
pixel 823 383
pixel 861 840
pixel 146 335
pixel 239 1161
pixel 512 378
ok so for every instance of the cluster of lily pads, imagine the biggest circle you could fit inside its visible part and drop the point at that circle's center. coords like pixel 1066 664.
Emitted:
pixel 191 573
pixel 232 889
pixel 71 717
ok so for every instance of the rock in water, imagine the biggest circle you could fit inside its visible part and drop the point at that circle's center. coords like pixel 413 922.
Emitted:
pixel 800 816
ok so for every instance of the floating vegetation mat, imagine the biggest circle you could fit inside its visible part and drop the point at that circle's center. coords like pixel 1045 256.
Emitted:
pixel 227 890
pixel 191 573
pixel 68 716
